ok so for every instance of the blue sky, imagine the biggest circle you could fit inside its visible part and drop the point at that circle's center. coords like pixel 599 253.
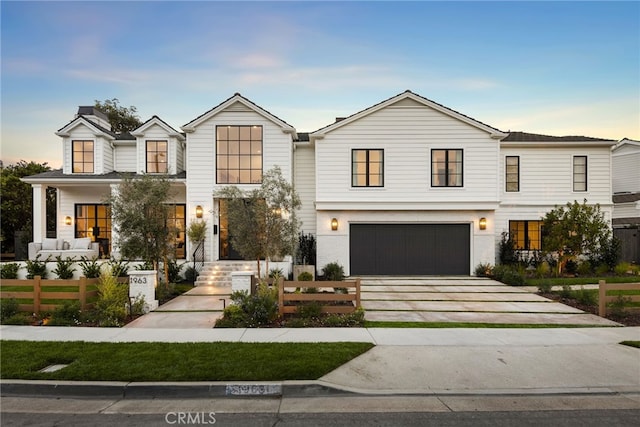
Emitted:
pixel 558 68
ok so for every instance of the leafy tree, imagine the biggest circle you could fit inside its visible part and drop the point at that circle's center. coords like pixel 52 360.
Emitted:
pixel 263 220
pixel 16 206
pixel 573 230
pixel 140 217
pixel 122 119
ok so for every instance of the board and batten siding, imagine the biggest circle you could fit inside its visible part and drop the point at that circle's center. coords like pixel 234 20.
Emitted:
pixel 407 133
pixel 277 148
pixel 546 175
pixel 304 179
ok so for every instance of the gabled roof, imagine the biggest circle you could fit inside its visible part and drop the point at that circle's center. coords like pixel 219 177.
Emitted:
pixel 155 120
pixel 533 137
pixel 626 142
pixel 495 133
pixel 82 120
pixel 190 127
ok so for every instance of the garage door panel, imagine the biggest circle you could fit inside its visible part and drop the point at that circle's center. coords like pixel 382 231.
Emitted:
pixel 410 249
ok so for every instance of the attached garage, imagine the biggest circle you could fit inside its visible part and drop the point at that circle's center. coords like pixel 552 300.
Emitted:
pixel 409 249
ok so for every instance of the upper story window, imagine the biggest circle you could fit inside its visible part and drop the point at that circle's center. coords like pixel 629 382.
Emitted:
pixel 82 157
pixel 526 235
pixel 446 168
pixel 367 168
pixel 579 173
pixel 512 173
pixel 239 154
pixel 157 156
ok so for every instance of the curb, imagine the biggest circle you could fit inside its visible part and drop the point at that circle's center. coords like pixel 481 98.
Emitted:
pixel 202 390
pixel 151 390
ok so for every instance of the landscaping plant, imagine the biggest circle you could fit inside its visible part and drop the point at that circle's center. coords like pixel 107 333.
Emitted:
pixel 90 268
pixel 112 303
pixel 9 270
pixel 36 268
pixel 64 268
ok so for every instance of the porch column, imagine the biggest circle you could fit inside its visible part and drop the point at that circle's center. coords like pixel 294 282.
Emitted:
pixel 115 248
pixel 39 212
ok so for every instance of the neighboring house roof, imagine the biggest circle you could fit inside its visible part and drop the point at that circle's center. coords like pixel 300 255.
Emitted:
pixel 626 197
pixel 533 137
pixel 286 127
pixel 626 221
pixel 96 128
pixel 496 133
pixel 57 175
pixel 155 120
pixel 626 142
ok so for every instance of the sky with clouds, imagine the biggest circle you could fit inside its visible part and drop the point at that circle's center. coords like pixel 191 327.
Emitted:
pixel 558 68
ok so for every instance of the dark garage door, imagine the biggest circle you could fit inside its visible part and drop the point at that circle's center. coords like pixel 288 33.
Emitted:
pixel 409 249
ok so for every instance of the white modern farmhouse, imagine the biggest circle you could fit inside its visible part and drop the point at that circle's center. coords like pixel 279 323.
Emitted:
pixel 404 187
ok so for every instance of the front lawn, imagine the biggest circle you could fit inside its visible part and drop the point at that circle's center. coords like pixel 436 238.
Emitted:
pixel 219 361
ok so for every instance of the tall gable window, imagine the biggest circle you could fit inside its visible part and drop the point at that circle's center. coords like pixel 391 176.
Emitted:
pixel 367 168
pixel 512 173
pixel 239 154
pixel 526 235
pixel 157 157
pixel 579 173
pixel 446 168
pixel 82 156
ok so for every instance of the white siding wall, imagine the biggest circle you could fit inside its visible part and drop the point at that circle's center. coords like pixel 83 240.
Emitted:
pixel 201 161
pixel 125 156
pixel 80 132
pixel 333 246
pixel 546 175
pixel 104 156
pixel 67 199
pixel 304 179
pixel 627 210
pixel 626 170
pixel 407 134
pixel 546 181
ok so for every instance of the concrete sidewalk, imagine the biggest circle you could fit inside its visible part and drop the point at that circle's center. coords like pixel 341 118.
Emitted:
pixel 413 361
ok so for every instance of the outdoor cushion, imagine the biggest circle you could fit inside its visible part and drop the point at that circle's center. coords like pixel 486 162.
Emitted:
pixel 83 243
pixel 49 244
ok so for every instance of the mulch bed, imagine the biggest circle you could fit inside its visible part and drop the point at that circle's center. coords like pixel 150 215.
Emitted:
pixel 629 318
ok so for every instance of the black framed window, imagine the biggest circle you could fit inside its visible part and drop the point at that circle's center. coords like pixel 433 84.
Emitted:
pixel 82 157
pixel 367 168
pixel 579 173
pixel 178 225
pixel 239 154
pixel 157 156
pixel 446 168
pixel 512 173
pixel 526 235
pixel 94 221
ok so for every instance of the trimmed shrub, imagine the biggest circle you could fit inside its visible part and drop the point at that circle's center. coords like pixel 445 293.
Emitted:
pixel 623 269
pixel 9 307
pixel 64 268
pixel 585 269
pixel 252 311
pixel 90 268
pixel 36 268
pixel 333 272
pixel 68 314
pixel 483 270
pixel 305 276
pixel 9 270
pixel 190 274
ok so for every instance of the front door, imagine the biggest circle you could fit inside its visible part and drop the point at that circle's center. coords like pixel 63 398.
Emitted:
pixel 225 249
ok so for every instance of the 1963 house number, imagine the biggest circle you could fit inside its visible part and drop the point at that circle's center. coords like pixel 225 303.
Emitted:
pixel 138 280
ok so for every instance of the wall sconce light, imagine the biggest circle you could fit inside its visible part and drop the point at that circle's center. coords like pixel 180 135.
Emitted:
pixel 483 223
pixel 215 229
pixel 67 220
pixel 198 211
pixel 334 224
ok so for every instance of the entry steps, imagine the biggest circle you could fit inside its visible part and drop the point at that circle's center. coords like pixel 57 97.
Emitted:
pixel 218 273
